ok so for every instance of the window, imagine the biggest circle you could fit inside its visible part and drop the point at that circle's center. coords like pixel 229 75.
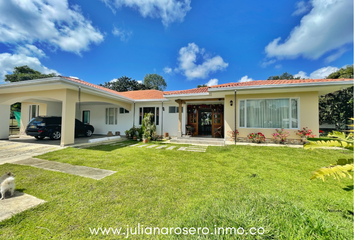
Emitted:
pixel 174 110
pixel 33 111
pixel 86 117
pixel 269 113
pixel 123 110
pixel 111 116
pixel 144 110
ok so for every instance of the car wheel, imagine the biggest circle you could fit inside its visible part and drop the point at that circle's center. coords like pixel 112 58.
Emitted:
pixel 88 133
pixel 56 135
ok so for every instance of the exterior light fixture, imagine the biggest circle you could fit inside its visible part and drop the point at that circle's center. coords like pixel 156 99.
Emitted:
pixel 231 103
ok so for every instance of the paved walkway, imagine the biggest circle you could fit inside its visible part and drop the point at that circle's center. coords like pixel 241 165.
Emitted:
pixel 89 172
pixel 192 148
pixel 11 151
pixel 19 202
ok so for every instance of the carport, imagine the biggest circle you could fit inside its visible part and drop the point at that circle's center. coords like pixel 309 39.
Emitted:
pixel 54 96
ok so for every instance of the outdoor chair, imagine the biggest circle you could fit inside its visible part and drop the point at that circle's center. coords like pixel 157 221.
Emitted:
pixel 189 130
pixel 219 131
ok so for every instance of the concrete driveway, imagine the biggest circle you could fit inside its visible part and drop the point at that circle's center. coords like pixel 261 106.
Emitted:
pixel 11 151
pixel 20 148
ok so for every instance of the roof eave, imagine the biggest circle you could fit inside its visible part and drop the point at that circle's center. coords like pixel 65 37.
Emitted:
pixel 281 86
pixel 187 95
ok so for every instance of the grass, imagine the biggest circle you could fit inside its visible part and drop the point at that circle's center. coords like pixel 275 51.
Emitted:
pixel 233 186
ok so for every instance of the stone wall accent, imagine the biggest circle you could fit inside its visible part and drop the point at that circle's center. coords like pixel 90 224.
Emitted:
pixel 270 140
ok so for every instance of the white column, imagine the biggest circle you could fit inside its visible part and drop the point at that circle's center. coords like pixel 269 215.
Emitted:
pixel 4 121
pixel 68 118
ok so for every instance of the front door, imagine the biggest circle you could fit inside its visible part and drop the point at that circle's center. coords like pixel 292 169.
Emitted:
pixel 218 122
pixel 205 122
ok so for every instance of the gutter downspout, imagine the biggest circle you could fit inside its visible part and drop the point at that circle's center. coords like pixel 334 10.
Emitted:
pixel 134 115
pixel 235 118
pixel 162 133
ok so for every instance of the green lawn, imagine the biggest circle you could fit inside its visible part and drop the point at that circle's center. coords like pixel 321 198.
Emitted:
pixel 234 186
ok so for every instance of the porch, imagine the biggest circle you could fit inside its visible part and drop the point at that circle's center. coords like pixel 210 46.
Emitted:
pixel 204 118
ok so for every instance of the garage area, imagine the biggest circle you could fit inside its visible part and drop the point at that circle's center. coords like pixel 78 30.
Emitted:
pixel 57 96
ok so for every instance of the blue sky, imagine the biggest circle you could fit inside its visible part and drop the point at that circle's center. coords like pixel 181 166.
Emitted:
pixel 188 42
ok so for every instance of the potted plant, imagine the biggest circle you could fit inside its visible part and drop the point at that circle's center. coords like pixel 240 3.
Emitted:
pixel 149 129
pixel 145 138
pixel 127 133
pixel 256 137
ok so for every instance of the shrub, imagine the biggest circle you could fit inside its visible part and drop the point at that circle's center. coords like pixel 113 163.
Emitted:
pixel 256 137
pixel 232 134
pixel 148 128
pixel 305 132
pixel 280 135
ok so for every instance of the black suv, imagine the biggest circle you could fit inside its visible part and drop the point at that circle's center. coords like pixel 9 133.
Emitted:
pixel 41 127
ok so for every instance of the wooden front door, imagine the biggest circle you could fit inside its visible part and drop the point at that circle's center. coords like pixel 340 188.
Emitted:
pixel 193 120
pixel 218 123
pixel 217 119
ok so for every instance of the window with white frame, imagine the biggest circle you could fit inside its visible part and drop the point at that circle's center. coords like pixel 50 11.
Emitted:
pixel 155 119
pixel 123 110
pixel 111 116
pixel 174 110
pixel 33 111
pixel 269 113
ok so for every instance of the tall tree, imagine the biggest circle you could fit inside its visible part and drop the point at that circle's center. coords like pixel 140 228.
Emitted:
pixel 124 84
pixel 336 108
pixel 155 81
pixel 24 73
pixel 346 72
pixel 203 85
pixel 284 76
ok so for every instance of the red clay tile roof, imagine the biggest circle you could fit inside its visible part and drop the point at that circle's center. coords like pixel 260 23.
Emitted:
pixel 155 94
pixel 255 83
pixel 133 95
pixel 188 91
pixel 143 94
pixel 277 82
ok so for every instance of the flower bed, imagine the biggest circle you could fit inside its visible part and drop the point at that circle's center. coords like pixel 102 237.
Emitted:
pixel 280 136
pixel 256 137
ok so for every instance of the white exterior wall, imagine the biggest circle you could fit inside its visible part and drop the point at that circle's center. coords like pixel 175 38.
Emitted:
pixel 53 109
pixel 125 121
pixel 98 118
pixel 170 120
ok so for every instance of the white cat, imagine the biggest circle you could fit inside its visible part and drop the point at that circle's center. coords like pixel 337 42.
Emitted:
pixel 7 183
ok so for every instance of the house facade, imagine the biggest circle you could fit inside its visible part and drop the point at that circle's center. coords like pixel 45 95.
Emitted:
pixel 257 106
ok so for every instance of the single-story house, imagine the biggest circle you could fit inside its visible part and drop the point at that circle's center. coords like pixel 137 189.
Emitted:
pixel 256 106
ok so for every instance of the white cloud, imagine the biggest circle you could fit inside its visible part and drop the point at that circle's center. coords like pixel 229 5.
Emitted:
pixel 270 62
pixel 167 70
pixel 212 82
pixel 302 7
pixel 30 50
pixel 278 66
pixel 9 61
pixel 52 22
pixel 139 81
pixel 318 74
pixel 245 79
pixel 336 55
pixel 124 35
pixel 326 27
pixel 168 10
pixel 187 62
